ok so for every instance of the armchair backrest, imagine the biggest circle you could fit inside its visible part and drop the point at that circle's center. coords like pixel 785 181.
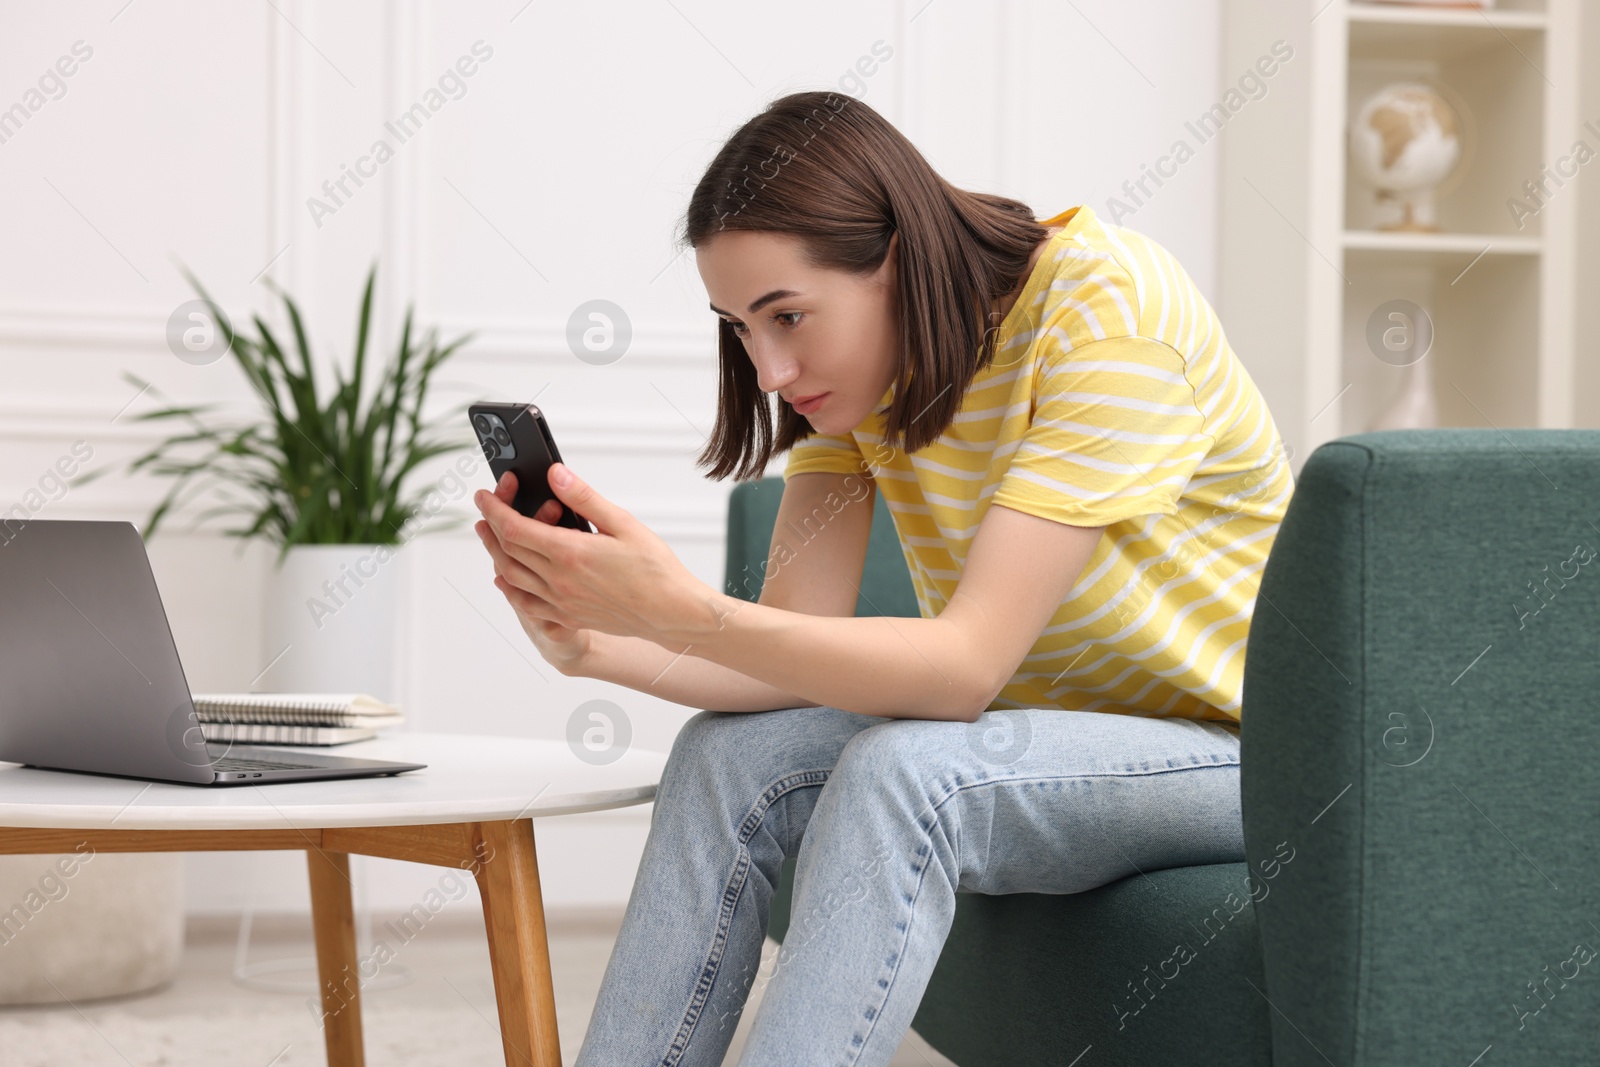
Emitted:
pixel 753 513
pixel 1420 721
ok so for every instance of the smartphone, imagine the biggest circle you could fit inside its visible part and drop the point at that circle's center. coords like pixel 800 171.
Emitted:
pixel 516 438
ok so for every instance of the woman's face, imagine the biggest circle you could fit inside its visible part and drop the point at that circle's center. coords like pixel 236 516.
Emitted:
pixel 808 330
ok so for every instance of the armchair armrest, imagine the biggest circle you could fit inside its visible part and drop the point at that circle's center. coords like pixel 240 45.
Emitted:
pixel 1421 718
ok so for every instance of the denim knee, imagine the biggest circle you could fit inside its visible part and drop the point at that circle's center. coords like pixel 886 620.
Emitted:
pixel 896 762
pixel 707 748
pixel 733 757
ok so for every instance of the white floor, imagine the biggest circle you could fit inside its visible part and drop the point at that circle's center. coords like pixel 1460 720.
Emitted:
pixel 445 1013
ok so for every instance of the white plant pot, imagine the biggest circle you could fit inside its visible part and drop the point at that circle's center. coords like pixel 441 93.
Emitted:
pixel 89 924
pixel 330 621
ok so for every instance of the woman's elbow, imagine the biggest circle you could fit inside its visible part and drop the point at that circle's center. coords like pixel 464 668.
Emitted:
pixel 978 698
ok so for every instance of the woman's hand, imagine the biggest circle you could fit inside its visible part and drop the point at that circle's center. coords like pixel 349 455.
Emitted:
pixel 563 647
pixel 622 579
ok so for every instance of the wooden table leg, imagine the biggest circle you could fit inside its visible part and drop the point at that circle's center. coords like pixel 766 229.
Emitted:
pixel 513 913
pixel 334 928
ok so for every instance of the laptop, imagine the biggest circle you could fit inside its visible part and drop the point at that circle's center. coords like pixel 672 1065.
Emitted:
pixel 90 678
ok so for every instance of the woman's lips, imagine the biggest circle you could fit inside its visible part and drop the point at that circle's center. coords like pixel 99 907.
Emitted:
pixel 806 407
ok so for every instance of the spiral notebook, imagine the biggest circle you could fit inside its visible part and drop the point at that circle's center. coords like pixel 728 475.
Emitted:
pixel 256 733
pixel 293 718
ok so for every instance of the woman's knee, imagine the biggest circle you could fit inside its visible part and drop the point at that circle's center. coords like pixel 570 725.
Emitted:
pixel 708 741
pixel 900 758
pixel 741 750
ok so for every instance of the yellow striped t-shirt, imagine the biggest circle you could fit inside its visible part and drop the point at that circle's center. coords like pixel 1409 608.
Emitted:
pixel 1113 400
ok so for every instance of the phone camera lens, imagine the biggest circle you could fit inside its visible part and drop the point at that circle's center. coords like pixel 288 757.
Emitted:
pixel 501 435
pixel 490 449
pixel 482 424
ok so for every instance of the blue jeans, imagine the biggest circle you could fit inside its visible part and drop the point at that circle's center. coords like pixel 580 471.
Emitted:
pixel 887 819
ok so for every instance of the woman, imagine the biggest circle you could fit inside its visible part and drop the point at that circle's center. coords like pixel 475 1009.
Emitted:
pixel 1085 483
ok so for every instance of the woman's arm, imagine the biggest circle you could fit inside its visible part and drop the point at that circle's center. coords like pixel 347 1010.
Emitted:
pixel 1018 571
pixel 683 679
pixel 814 565
pixel 819 575
pixel 628 582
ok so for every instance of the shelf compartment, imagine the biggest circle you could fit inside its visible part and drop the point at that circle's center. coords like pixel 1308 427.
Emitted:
pixel 1485 354
pixel 1499 92
pixel 1384 32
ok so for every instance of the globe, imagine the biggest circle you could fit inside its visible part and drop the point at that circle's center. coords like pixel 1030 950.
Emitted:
pixel 1406 141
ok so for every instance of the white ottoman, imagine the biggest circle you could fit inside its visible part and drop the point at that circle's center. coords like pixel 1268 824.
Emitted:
pixel 94 924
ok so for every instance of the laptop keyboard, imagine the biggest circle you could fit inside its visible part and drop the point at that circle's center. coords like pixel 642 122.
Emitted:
pixel 239 763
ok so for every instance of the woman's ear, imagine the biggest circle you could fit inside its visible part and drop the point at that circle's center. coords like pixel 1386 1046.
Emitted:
pixel 889 268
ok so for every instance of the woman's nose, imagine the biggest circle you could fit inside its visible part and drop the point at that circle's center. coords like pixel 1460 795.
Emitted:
pixel 773 374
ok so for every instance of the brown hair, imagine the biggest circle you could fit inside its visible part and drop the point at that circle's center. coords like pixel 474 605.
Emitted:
pixel 830 170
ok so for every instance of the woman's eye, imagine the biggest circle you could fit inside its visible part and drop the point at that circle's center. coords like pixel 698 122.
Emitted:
pixel 790 319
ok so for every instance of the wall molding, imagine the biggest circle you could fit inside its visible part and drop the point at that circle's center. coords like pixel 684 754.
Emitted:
pixel 84 328
pixel 281 133
pixel 586 428
pixel 672 520
pixel 668 345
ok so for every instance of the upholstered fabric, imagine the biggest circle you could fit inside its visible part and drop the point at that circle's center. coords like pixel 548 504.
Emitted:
pixel 753 512
pixel 1427 742
pixel 1145 972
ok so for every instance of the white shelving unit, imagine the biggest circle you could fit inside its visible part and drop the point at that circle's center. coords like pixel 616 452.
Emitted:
pixel 1302 269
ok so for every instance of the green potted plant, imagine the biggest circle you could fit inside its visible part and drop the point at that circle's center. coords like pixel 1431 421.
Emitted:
pixel 324 477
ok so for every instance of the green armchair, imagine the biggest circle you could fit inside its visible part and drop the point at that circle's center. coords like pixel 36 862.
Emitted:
pixel 1422 717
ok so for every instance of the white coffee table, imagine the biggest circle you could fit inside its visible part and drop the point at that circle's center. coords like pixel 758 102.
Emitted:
pixel 471 808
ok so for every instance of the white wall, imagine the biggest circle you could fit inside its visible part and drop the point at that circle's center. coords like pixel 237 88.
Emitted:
pixel 196 133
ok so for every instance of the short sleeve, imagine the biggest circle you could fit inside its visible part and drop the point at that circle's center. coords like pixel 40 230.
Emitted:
pixel 1116 434
pixel 835 453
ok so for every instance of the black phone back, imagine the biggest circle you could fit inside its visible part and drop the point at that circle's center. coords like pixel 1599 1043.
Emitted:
pixel 516 438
